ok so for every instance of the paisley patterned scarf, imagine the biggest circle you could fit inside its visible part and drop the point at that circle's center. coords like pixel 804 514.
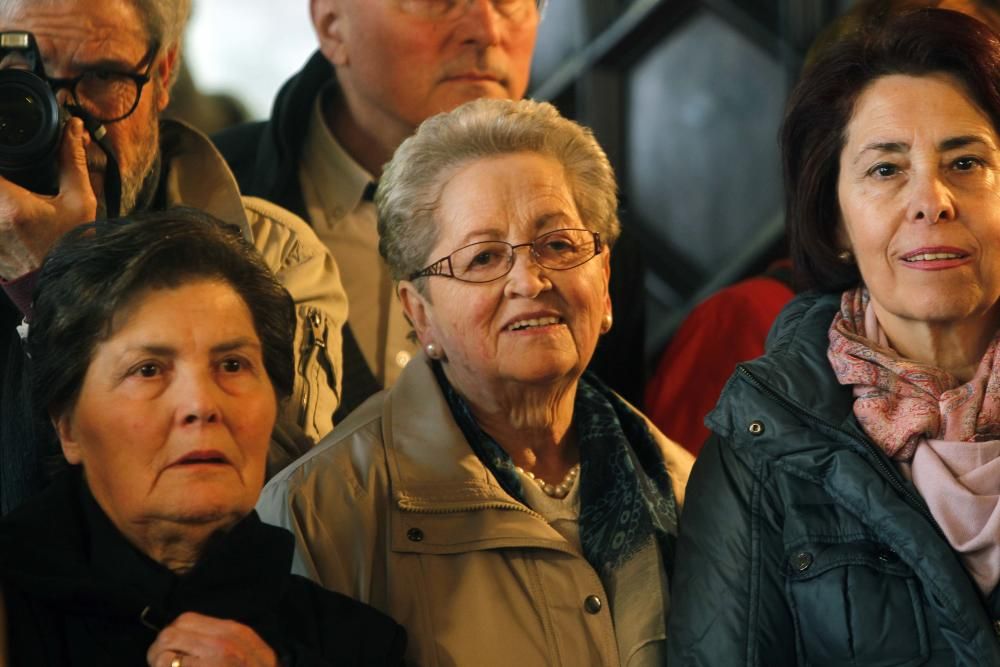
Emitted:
pixel 626 499
pixel 945 436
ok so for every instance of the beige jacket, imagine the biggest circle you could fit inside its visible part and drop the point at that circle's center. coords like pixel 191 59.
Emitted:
pixel 194 174
pixel 396 510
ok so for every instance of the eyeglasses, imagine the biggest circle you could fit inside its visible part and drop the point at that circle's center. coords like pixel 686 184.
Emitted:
pixel 107 95
pixel 446 10
pixel 486 261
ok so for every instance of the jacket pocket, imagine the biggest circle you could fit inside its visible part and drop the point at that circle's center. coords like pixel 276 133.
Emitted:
pixel 855 603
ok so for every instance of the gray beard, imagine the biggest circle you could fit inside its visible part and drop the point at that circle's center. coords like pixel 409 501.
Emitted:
pixel 137 194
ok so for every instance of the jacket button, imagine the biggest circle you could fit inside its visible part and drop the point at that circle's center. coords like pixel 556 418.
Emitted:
pixel 802 561
pixel 887 556
pixel 756 427
pixel 592 604
pixel 415 535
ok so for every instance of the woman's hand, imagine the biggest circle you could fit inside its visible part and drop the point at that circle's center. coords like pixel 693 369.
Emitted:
pixel 204 641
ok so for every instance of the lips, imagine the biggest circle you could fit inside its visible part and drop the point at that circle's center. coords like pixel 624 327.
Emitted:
pixel 202 457
pixel 934 255
pixel 532 322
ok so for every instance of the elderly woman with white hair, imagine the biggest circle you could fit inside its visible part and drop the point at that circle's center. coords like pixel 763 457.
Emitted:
pixel 498 501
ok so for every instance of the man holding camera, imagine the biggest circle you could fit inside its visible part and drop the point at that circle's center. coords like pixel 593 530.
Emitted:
pixel 112 62
pixel 383 66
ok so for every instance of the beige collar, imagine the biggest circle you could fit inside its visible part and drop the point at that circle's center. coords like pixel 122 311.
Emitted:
pixel 340 181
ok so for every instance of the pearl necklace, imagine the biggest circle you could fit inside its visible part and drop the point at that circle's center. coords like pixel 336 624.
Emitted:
pixel 560 490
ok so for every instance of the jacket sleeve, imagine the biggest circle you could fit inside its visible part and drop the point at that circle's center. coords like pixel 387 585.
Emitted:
pixel 307 270
pixel 727 605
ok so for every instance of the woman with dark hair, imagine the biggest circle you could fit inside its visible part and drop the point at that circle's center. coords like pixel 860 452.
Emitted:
pixel 845 510
pixel 161 351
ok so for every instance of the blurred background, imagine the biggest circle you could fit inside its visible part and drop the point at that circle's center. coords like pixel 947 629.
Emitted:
pixel 685 96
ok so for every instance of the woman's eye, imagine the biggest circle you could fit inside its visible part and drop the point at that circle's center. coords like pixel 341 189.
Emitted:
pixel 232 365
pixel 147 370
pixel 485 258
pixel 884 170
pixel 966 163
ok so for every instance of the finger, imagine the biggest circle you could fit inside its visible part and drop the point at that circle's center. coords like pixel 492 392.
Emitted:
pixel 74 179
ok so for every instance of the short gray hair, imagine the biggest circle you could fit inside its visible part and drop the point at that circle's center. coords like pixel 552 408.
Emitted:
pixel 410 188
pixel 163 20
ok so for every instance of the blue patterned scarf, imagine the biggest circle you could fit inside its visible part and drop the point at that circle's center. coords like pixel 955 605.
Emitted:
pixel 626 499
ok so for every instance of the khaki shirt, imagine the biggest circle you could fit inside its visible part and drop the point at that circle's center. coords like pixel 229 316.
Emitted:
pixel 332 187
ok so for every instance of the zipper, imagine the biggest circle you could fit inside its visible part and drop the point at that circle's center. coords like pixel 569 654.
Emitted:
pixel 409 506
pixel 311 349
pixel 875 456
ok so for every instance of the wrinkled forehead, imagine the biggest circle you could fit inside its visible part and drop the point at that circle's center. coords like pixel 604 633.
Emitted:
pixel 71 32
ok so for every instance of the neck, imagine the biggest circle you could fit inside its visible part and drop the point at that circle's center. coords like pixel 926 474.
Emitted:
pixel 955 347
pixel 367 136
pixel 176 545
pixel 532 423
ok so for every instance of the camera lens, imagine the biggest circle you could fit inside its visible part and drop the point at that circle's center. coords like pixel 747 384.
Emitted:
pixel 30 127
pixel 21 118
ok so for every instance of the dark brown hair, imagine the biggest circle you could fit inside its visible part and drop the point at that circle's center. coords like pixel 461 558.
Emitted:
pixel 97 269
pixel 918 43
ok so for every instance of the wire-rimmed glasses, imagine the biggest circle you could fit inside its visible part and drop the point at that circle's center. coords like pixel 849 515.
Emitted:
pixel 486 261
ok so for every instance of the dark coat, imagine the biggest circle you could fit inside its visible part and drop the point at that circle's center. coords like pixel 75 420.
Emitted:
pixel 75 592
pixel 801 543
pixel 264 157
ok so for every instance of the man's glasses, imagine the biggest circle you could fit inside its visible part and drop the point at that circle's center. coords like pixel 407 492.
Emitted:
pixel 107 95
pixel 489 260
pixel 446 10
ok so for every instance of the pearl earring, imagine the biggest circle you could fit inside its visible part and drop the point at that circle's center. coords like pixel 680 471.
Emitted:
pixel 607 322
pixel 845 256
pixel 432 351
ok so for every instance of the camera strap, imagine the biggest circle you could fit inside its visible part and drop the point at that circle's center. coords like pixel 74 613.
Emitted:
pixel 112 175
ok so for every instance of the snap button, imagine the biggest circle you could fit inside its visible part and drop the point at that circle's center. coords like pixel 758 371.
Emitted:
pixel 802 561
pixel 756 427
pixel 887 556
pixel 592 604
pixel 415 535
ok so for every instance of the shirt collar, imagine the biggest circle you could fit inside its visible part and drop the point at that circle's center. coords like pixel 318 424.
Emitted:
pixel 343 180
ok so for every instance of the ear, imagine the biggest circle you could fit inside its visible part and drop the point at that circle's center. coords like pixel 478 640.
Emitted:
pixel 419 310
pixel 164 70
pixel 63 425
pixel 330 24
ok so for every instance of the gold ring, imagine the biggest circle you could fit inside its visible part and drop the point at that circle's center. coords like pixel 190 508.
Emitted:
pixel 177 662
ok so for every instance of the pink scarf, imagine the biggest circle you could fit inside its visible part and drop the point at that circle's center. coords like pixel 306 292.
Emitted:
pixel 944 436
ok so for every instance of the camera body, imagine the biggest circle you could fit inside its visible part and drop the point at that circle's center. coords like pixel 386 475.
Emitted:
pixel 31 119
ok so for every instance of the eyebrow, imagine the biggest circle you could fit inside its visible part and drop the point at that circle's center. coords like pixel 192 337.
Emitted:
pixel 948 144
pixel 220 348
pixel 494 234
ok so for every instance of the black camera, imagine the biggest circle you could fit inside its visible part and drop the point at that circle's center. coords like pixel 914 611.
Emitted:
pixel 31 119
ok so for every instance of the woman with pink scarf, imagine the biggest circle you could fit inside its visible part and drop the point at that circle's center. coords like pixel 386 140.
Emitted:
pixel 845 510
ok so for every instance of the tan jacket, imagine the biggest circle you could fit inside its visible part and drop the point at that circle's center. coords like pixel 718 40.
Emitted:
pixel 196 175
pixel 396 510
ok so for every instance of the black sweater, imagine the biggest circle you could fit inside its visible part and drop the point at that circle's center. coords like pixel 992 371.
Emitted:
pixel 77 593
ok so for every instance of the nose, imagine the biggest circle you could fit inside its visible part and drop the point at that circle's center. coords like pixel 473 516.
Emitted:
pixel 932 200
pixel 481 23
pixel 197 400
pixel 527 278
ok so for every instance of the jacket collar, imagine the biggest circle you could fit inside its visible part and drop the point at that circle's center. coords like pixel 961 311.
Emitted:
pixel 195 174
pixel 439 486
pixel 279 151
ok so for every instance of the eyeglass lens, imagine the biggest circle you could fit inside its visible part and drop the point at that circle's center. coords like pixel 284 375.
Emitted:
pixel 488 260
